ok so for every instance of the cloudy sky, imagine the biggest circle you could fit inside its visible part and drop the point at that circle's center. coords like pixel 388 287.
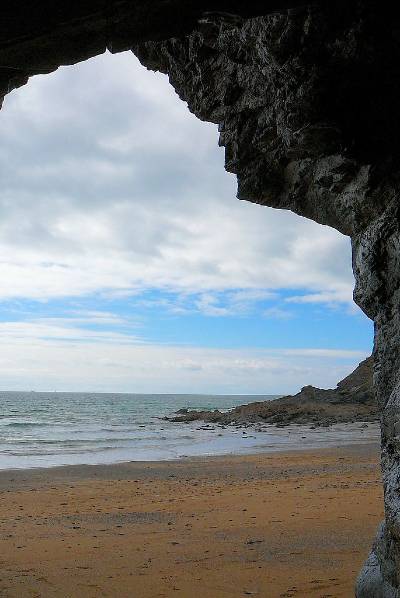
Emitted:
pixel 127 264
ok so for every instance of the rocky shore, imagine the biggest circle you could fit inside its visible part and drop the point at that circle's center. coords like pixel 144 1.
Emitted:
pixel 352 400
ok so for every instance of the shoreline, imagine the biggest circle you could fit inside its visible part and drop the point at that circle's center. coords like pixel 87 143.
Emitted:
pixel 294 523
pixel 94 469
pixel 68 469
pixel 212 441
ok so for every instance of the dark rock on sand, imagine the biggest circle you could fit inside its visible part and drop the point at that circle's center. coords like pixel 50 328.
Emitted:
pixel 352 400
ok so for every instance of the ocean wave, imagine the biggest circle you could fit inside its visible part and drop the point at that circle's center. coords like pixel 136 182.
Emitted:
pixel 65 451
pixel 28 424
pixel 68 442
pixel 48 428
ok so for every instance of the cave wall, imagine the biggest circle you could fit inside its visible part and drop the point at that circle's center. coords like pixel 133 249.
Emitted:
pixel 306 101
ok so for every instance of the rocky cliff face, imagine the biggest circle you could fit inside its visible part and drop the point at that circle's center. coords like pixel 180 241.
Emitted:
pixel 352 400
pixel 306 101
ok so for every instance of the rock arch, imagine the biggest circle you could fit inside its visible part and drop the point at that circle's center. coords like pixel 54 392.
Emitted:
pixel 306 98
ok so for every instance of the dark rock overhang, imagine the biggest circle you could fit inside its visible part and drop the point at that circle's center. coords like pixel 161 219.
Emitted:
pixel 149 19
pixel 38 36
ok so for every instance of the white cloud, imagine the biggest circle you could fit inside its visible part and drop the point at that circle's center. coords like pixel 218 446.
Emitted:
pixel 324 353
pixel 62 329
pixel 63 354
pixel 332 297
pixel 276 313
pixel 98 317
pixel 110 185
pixel 235 303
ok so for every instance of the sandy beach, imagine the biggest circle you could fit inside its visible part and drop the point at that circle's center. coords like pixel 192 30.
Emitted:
pixel 268 525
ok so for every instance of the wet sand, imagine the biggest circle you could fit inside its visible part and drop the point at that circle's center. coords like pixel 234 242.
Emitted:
pixel 268 525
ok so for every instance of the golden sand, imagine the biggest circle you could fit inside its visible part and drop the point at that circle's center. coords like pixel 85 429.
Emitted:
pixel 272 525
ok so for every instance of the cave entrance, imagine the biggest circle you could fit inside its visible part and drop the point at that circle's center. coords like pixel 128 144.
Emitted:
pixel 128 266
pixel 117 210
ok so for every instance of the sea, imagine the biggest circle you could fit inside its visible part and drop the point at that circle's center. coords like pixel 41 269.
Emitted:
pixel 47 429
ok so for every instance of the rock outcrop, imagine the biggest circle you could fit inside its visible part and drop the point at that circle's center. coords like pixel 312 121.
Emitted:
pixel 306 100
pixel 352 400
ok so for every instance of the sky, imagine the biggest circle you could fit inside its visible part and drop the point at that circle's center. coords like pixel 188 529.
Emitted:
pixel 128 265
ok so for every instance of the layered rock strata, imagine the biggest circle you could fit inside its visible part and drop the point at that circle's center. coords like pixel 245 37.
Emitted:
pixel 306 101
